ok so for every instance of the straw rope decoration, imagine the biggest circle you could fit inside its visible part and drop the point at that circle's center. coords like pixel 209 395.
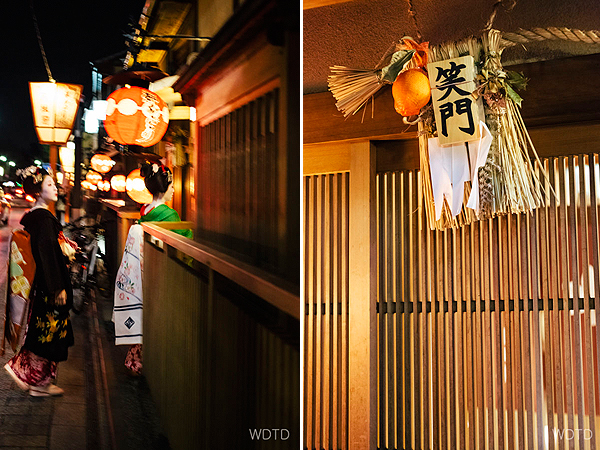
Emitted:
pixel 508 182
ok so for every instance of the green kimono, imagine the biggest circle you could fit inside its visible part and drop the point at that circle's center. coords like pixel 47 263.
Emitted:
pixel 162 213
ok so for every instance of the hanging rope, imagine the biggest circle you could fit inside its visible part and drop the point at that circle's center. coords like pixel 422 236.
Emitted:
pixel 37 30
pixel 413 15
pixel 510 5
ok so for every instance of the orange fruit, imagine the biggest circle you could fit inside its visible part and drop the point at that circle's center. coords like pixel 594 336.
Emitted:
pixel 411 92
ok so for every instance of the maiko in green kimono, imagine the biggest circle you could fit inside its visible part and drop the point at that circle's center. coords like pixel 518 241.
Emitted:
pixel 159 181
pixel 162 213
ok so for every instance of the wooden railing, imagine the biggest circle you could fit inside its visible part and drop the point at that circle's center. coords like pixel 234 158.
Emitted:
pixel 221 345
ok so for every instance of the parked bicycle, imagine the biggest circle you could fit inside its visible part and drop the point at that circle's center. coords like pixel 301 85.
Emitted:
pixel 88 233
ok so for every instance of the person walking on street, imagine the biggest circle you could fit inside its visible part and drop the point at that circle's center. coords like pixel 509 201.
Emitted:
pixel 159 181
pixel 49 331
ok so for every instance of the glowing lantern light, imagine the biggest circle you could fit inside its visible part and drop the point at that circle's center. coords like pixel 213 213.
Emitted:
pixel 411 92
pixel 67 159
pixel 102 163
pixel 136 116
pixel 104 186
pixel 86 184
pixel 136 188
pixel 119 183
pixel 93 177
pixel 54 109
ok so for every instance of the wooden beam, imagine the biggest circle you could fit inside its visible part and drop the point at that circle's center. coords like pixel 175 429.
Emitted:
pixel 324 123
pixel 309 4
pixel 362 316
pixel 557 140
pixel 560 91
pixel 326 158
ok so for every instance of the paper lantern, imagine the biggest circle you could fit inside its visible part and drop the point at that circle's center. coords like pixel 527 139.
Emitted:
pixel 93 177
pixel 411 92
pixel 102 163
pixel 67 158
pixel 119 183
pixel 136 188
pixel 54 109
pixel 136 116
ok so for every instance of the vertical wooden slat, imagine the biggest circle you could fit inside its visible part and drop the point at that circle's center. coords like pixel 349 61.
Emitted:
pixel 450 351
pixel 544 278
pixel 555 293
pixel 442 338
pixel 433 341
pixel 574 258
pixel 415 441
pixel 345 218
pixel 594 256
pixel 566 331
pixel 326 285
pixel 335 318
pixel 496 332
pixel 478 381
pixel 524 252
pixel 381 345
pixel 468 345
pixel 459 342
pixel 588 375
pixel 517 354
pixel 406 304
pixel 537 378
pixel 310 277
pixel 391 303
pixel 425 419
pixel 319 207
pixel 399 244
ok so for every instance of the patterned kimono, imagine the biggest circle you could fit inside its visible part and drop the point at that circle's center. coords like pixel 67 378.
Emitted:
pixel 49 332
pixel 161 213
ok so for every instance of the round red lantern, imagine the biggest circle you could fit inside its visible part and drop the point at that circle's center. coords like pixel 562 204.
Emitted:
pixel 411 92
pixel 136 188
pixel 101 163
pixel 136 116
pixel 93 177
pixel 119 183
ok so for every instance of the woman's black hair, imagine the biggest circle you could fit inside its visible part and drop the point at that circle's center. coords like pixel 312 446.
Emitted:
pixel 32 180
pixel 157 177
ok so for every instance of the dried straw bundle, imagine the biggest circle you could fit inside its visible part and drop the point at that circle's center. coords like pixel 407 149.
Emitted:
pixel 508 181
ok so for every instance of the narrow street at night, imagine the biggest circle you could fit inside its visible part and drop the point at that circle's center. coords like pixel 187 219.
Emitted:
pixel 103 407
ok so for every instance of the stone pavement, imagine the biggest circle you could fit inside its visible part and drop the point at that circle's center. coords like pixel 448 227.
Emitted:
pixel 56 423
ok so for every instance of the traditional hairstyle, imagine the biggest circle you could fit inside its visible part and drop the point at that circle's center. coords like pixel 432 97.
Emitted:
pixel 157 177
pixel 32 178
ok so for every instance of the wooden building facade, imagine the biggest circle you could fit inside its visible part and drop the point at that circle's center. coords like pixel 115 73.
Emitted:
pixel 480 337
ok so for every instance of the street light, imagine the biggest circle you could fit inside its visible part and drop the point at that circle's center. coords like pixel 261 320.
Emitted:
pixel 3 158
pixel 37 162
pixel 11 164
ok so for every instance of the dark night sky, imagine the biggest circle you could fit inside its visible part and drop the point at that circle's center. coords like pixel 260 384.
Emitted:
pixel 73 34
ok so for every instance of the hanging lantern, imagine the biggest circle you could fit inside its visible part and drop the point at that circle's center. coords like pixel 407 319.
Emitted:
pixel 136 116
pixel 93 177
pixel 86 184
pixel 54 109
pixel 136 188
pixel 67 158
pixel 119 183
pixel 102 163
pixel 411 92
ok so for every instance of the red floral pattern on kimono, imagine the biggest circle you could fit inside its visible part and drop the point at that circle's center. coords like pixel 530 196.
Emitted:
pixel 133 360
pixel 32 369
